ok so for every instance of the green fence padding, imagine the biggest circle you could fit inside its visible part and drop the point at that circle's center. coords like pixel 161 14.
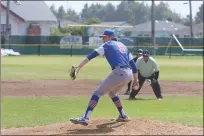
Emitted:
pixel 50 45
pixel 56 50
pixel 136 40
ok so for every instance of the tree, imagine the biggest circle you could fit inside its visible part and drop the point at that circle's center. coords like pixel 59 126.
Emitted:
pixel 129 11
pixel 142 13
pixel 132 12
pixel 109 9
pixel 78 31
pixel 61 13
pixel 71 15
pixel 93 20
pixel 54 11
pixel 162 11
pixel 199 15
pixel 123 12
pixel 186 20
pixel 58 32
pixel 84 12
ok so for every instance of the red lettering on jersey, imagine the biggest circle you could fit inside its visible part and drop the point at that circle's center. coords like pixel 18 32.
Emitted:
pixel 122 48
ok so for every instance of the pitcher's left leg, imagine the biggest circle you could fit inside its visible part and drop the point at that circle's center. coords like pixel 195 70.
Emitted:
pixel 116 100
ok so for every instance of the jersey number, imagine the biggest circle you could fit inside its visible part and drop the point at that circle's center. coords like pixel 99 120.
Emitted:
pixel 122 48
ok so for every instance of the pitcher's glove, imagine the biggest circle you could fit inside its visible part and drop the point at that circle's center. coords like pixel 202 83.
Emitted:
pixel 73 72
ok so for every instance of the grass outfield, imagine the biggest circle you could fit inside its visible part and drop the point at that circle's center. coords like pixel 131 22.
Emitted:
pixel 56 67
pixel 24 112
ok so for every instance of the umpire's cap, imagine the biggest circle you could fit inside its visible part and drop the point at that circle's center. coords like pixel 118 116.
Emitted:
pixel 108 32
pixel 146 53
pixel 139 52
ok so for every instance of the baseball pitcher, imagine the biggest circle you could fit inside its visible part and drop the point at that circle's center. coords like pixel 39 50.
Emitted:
pixel 123 71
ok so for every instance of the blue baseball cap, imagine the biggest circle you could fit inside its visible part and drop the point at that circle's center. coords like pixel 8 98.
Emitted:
pixel 108 32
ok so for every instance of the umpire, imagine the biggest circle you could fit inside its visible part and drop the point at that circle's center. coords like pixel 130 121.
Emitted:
pixel 138 54
pixel 147 69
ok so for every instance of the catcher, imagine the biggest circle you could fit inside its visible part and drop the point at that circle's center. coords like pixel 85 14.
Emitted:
pixel 139 54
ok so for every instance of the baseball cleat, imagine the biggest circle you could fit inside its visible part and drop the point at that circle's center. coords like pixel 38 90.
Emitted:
pixel 81 121
pixel 160 98
pixel 123 119
pixel 131 98
pixel 127 93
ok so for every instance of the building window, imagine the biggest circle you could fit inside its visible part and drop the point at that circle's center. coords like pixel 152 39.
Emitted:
pixel 3 29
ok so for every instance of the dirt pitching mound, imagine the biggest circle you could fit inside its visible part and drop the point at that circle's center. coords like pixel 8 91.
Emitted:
pixel 109 127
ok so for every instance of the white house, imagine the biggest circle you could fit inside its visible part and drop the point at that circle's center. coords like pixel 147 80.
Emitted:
pixel 26 14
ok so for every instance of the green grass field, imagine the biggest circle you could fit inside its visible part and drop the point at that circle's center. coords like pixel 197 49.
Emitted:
pixel 21 112
pixel 56 67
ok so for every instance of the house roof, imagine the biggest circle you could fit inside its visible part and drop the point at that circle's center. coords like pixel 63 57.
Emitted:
pixel 159 26
pixel 31 10
pixel 197 28
pixel 14 14
pixel 119 23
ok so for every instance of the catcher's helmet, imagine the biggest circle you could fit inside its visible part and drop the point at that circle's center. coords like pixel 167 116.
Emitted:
pixel 139 52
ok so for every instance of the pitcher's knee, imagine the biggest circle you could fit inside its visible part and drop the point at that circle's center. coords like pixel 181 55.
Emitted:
pixel 98 93
pixel 111 94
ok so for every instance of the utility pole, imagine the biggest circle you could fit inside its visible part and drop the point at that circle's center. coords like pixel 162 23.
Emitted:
pixel 153 26
pixel 191 20
pixel 134 17
pixel 8 29
pixel 0 35
pixel 0 43
pixel 7 22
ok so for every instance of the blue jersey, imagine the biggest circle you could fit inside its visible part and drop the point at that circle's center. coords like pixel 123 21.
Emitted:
pixel 116 53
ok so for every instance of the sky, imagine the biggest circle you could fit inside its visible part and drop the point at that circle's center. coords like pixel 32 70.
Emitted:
pixel 177 6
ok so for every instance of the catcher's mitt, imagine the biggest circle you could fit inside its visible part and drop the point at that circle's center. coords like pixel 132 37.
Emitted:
pixel 73 72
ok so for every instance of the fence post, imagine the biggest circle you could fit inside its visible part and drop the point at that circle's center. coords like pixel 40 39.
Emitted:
pixel 71 51
pixel 170 52
pixel 38 49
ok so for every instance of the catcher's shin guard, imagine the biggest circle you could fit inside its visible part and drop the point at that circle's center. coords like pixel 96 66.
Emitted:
pixel 129 85
pixel 133 93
